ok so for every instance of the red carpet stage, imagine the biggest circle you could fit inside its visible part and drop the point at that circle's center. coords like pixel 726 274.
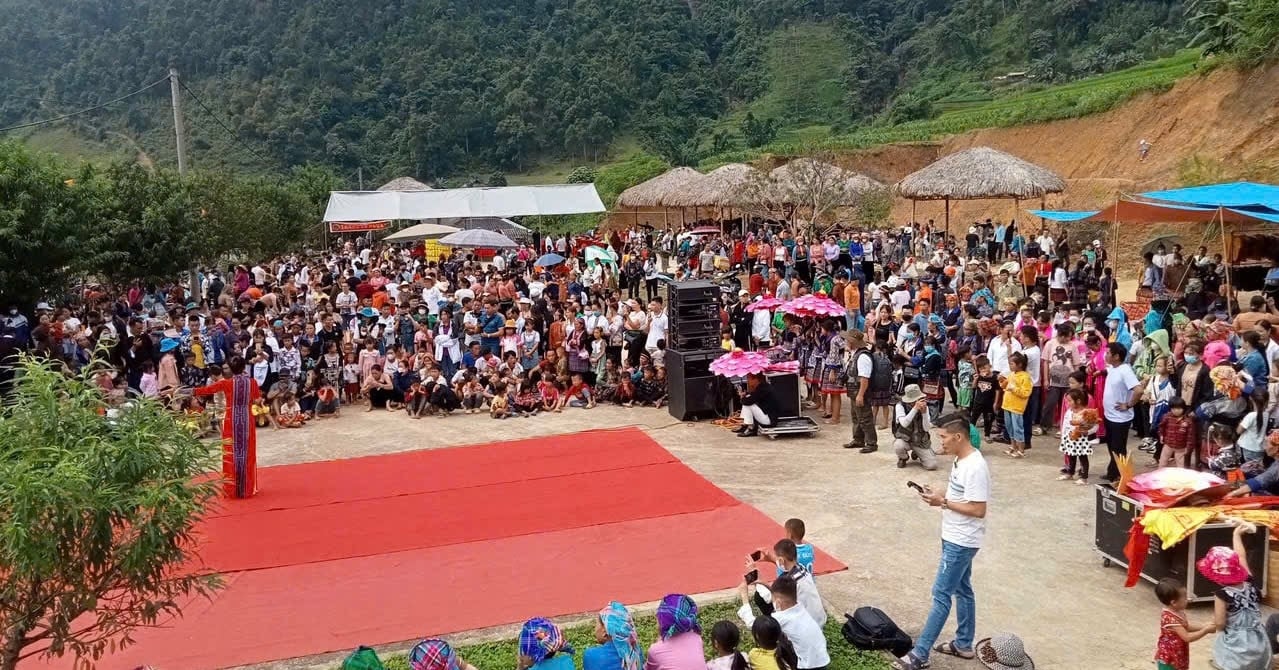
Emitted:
pixel 389 548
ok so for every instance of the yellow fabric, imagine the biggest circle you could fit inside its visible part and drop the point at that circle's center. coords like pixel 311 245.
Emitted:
pixel 1017 392
pixel 762 659
pixel 1175 524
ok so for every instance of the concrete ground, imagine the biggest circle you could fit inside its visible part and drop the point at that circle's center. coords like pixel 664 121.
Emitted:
pixel 1038 575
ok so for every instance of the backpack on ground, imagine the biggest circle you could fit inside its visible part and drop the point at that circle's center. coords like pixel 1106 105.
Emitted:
pixel 363 658
pixel 881 373
pixel 869 629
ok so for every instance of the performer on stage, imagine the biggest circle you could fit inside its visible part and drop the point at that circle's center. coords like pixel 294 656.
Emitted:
pixel 239 438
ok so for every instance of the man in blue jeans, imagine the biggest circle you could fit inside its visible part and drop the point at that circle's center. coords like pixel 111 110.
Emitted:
pixel 963 524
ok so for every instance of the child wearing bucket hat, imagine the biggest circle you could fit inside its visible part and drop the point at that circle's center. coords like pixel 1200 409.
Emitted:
pixel 1241 642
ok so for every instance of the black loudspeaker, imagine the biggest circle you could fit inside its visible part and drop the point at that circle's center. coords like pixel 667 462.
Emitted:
pixel 693 310
pixel 694 391
pixel 691 293
pixel 786 390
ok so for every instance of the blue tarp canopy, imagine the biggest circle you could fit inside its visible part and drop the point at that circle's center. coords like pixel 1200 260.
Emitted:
pixel 1241 194
pixel 1139 211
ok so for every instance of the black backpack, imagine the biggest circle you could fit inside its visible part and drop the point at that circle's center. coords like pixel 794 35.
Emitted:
pixel 881 372
pixel 870 629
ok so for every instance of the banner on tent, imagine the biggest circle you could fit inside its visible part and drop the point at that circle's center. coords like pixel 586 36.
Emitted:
pixel 357 226
pixel 434 249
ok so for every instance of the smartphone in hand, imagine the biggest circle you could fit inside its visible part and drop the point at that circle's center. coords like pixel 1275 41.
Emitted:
pixel 915 486
pixel 757 555
pixel 751 577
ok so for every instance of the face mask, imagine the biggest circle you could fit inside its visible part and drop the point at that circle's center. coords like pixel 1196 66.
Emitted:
pixel 1192 359
pixel 13 312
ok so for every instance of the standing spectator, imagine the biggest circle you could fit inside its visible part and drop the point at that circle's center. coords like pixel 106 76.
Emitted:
pixel 1121 391
pixel 963 527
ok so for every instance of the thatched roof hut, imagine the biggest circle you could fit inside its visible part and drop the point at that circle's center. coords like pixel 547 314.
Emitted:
pixel 795 181
pixel 655 191
pixel 980 173
pixel 723 186
pixel 404 184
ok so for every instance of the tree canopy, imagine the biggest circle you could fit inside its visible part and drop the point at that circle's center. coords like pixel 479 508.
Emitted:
pixel 437 88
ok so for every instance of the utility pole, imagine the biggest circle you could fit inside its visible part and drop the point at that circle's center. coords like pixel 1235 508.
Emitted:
pixel 359 171
pixel 179 129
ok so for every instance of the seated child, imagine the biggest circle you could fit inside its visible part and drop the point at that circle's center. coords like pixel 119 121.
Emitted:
pixel 261 413
pixel 326 400
pixel 291 415
pixel 472 394
pixel 500 406
pixel 579 393
pixel 416 400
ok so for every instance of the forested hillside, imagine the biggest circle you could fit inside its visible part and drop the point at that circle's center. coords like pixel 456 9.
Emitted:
pixel 436 88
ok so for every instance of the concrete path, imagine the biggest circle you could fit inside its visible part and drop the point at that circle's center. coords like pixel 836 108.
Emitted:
pixel 1038 575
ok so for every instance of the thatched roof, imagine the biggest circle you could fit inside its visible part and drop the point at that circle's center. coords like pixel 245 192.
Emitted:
pixel 404 184
pixel 722 186
pixel 654 192
pixel 794 182
pixel 978 173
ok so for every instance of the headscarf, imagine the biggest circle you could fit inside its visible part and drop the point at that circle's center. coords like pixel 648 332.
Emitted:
pixel 677 614
pixel 617 622
pixel 1120 334
pixel 433 655
pixel 539 639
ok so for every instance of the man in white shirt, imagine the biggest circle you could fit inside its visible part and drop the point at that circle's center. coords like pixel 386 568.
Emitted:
pixel 963 527
pixel 1046 243
pixel 657 325
pixel 798 625
pixel 1121 392
pixel 431 296
pixel 1001 348
pixel 1030 347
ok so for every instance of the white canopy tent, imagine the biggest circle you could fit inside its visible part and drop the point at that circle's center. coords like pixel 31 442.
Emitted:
pixel 463 203
pixel 422 231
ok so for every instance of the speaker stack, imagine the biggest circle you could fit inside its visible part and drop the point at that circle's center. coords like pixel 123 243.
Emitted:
pixel 692 343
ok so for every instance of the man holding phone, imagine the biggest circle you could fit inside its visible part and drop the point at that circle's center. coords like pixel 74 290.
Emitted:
pixel 963 527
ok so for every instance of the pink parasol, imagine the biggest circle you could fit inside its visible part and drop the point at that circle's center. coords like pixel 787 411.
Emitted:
pixel 813 305
pixel 738 363
pixel 767 302
pixel 784 366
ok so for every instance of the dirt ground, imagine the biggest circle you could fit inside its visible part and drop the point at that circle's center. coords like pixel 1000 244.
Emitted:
pixel 1038 575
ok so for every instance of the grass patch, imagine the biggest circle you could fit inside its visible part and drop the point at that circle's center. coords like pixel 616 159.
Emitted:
pixel 502 654
pixel 1091 95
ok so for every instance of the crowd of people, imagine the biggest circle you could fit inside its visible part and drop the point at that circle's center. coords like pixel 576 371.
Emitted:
pixel 1022 336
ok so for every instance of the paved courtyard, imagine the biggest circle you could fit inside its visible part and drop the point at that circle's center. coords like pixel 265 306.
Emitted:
pixel 1038 575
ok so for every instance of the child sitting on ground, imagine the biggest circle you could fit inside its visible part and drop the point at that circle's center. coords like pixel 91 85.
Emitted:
pixel 1178 433
pixel 261 413
pixel 579 394
pixel 772 650
pixel 725 636
pixel 416 400
pixel 1172 652
pixel 326 400
pixel 290 415
pixel 499 406
pixel 472 394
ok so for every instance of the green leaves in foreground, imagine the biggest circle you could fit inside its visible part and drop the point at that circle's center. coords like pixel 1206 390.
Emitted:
pixel 96 517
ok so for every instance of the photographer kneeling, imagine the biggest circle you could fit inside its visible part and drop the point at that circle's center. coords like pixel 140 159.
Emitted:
pixel 759 405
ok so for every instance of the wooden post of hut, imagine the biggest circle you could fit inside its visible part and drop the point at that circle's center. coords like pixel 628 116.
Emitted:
pixel 947 217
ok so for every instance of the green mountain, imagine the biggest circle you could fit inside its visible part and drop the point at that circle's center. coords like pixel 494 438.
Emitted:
pixel 439 88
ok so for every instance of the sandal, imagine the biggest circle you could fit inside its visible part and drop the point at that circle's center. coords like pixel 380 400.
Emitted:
pixel 909 664
pixel 1061 478
pixel 949 649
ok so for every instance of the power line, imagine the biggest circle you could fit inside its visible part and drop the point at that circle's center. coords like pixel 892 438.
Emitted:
pixel 85 110
pixel 234 136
